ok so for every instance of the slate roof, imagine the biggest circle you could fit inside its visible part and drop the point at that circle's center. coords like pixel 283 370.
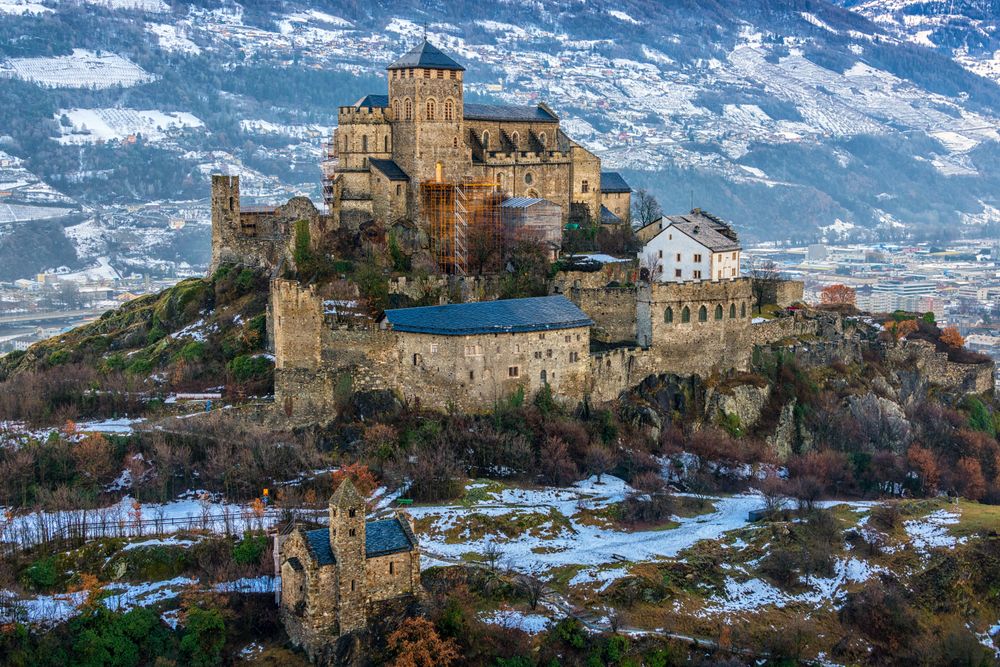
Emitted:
pixel 373 101
pixel 706 235
pixel 520 202
pixel 384 537
pixel 612 181
pixel 541 313
pixel 388 167
pixel 426 55
pixel 608 217
pixel 509 112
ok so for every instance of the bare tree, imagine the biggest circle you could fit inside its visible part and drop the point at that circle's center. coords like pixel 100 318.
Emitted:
pixel 772 488
pixel 492 555
pixel 534 589
pixel 764 275
pixel 645 208
pixel 650 267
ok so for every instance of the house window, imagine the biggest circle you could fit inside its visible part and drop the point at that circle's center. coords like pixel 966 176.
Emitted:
pixel 543 376
pixel 364 143
pixel 434 348
pixel 392 570
pixel 734 255
pixel 732 273
pixel 543 139
pixel 454 142
pixel 486 139
pixel 528 178
pixel 232 203
pixel 431 110
pixel 668 315
pixel 743 310
pixel 678 257
pixel 352 585
pixel 718 312
pixel 472 375
pixel 395 109
pixel 703 314
pixel 585 186
pixel 548 354
pixel 385 144
pixel 351 513
pixel 732 311
pixel 686 315
pixel 538 354
pixel 677 273
pixel 697 275
pixel 449 110
pixel 541 336
pixel 661 254
pixel 697 257
pixel 569 339
pixel 351 533
pixel 515 139
pixel 513 372
pixel 399 189
pixel 574 356
pixel 408 109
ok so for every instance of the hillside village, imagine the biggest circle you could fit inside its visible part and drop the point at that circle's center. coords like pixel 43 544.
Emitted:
pixel 415 421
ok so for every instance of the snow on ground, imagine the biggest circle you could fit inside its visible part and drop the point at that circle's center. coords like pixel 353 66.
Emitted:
pixel 82 69
pixel 171 38
pixel 518 620
pixel 931 532
pixel 267 128
pixel 122 425
pixel 156 6
pixel 572 542
pixel 21 7
pixel 622 16
pixel 88 126
pixel 102 271
pixel 196 331
pixel 21 213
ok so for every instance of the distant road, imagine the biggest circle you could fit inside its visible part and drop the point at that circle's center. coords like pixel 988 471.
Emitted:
pixel 27 318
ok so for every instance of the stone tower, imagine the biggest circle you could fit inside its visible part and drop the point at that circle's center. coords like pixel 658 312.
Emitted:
pixel 426 108
pixel 347 541
pixel 225 217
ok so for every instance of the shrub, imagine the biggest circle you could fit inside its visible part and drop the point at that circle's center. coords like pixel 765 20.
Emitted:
pixel 247 368
pixel 192 351
pixel 245 280
pixel 204 637
pixel 42 575
pixel 249 550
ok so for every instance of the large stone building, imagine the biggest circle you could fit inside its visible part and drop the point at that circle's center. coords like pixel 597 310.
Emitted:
pixel 333 578
pixel 386 147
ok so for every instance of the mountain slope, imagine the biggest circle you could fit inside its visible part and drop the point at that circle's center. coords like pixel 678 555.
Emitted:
pixel 794 118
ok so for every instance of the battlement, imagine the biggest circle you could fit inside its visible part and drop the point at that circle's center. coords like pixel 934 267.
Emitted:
pixel 351 114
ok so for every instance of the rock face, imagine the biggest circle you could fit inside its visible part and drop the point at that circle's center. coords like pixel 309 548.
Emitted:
pixel 784 434
pixel 745 401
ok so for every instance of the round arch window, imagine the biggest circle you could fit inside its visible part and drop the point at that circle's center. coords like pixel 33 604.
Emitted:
pixel 529 178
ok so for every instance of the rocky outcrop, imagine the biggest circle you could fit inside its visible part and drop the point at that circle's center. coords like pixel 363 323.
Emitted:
pixel 744 401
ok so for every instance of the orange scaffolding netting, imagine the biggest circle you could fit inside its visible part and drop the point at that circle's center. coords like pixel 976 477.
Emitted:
pixel 464 224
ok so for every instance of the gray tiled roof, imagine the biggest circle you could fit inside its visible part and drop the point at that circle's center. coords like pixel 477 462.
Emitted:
pixel 612 181
pixel 383 537
pixel 426 55
pixel 373 101
pixel 388 167
pixel 510 112
pixel 608 217
pixel 707 235
pixel 485 317
pixel 520 202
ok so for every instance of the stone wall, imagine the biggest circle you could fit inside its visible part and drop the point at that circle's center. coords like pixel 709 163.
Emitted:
pixel 618 370
pixel 783 292
pixel 444 289
pixel 965 378
pixel 697 327
pixel 772 331
pixel 613 310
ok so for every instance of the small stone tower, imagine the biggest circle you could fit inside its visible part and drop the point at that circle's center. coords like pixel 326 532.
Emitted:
pixel 225 217
pixel 347 541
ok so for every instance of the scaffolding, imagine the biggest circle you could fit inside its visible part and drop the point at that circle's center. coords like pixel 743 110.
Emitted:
pixel 464 224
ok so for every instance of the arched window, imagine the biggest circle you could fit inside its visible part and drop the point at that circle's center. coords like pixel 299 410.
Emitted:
pixel 743 309
pixel 544 376
pixel 385 144
pixel 542 138
pixel 431 109
pixel 408 109
pixel 500 180
pixel 528 178
pixel 668 315
pixel 703 314
pixel 232 203
pixel 718 312
pixel 364 143
pixel 454 142
pixel 515 139
pixel 732 311
pixel 486 139
pixel 416 360
pixel 395 109
pixel 449 109
pixel 686 315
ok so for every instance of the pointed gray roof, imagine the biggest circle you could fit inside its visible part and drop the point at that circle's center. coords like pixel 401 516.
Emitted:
pixel 426 55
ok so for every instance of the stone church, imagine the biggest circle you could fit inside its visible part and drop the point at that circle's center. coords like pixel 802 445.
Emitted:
pixel 386 146
pixel 333 578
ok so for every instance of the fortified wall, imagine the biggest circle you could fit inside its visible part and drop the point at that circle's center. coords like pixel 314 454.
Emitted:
pixel 260 237
pixel 965 378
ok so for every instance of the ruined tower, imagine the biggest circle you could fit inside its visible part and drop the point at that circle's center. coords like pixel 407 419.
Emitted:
pixel 426 107
pixel 347 542
pixel 225 217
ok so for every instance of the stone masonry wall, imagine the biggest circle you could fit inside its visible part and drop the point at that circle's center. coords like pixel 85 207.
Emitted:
pixel 613 310
pixel 967 378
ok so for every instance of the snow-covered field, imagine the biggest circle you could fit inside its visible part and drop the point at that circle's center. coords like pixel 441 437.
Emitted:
pixel 22 7
pixel 86 126
pixel 19 213
pixel 173 38
pixel 81 69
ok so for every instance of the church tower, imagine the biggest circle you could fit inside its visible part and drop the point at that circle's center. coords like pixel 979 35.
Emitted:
pixel 426 107
pixel 347 542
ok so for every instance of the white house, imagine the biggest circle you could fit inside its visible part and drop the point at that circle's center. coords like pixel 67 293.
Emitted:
pixel 696 246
